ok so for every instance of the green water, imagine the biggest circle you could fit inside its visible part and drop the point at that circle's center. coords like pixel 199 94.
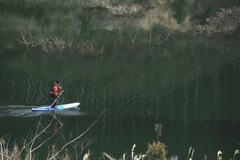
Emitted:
pixel 189 84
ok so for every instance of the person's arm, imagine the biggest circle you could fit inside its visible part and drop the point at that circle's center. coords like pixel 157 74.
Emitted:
pixel 55 90
pixel 59 87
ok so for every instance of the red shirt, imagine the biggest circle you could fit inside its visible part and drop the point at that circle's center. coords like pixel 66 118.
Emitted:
pixel 54 90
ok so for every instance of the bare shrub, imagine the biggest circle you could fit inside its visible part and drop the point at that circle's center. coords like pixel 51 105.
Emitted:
pixel 30 145
pixel 122 9
pixel 226 21
pixel 54 44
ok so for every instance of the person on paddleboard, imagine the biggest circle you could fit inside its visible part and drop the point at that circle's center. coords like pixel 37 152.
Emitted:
pixel 54 91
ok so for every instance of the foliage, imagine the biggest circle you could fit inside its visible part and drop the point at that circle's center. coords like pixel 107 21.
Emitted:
pixel 156 151
pixel 158 129
pixel 181 12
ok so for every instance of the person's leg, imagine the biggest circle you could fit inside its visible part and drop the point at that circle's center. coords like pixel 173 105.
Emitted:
pixel 53 104
pixel 53 97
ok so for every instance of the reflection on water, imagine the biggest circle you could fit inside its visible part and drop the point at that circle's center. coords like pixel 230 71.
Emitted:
pixel 196 105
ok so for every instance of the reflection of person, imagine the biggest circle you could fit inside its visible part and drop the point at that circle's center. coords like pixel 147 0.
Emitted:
pixel 54 92
pixel 56 127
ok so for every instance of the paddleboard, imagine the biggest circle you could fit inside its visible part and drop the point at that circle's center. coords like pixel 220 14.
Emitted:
pixel 57 107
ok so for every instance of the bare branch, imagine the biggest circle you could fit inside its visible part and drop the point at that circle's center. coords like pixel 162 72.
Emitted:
pixel 70 142
pixel 159 37
pixel 37 135
pixel 132 38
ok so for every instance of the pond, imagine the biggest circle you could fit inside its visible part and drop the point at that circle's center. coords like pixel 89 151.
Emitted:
pixel 189 85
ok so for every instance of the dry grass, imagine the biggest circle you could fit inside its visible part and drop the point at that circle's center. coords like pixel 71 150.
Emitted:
pixel 157 151
pixel 30 145
pixel 28 148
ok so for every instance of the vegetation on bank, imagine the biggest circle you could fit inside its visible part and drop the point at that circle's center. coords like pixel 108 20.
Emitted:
pixel 89 27
pixel 225 22
pixel 35 43
pixel 54 44
pixel 30 146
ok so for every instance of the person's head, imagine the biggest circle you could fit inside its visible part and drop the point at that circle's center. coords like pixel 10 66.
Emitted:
pixel 57 82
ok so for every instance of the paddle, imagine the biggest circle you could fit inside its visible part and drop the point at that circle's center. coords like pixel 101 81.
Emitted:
pixel 56 98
